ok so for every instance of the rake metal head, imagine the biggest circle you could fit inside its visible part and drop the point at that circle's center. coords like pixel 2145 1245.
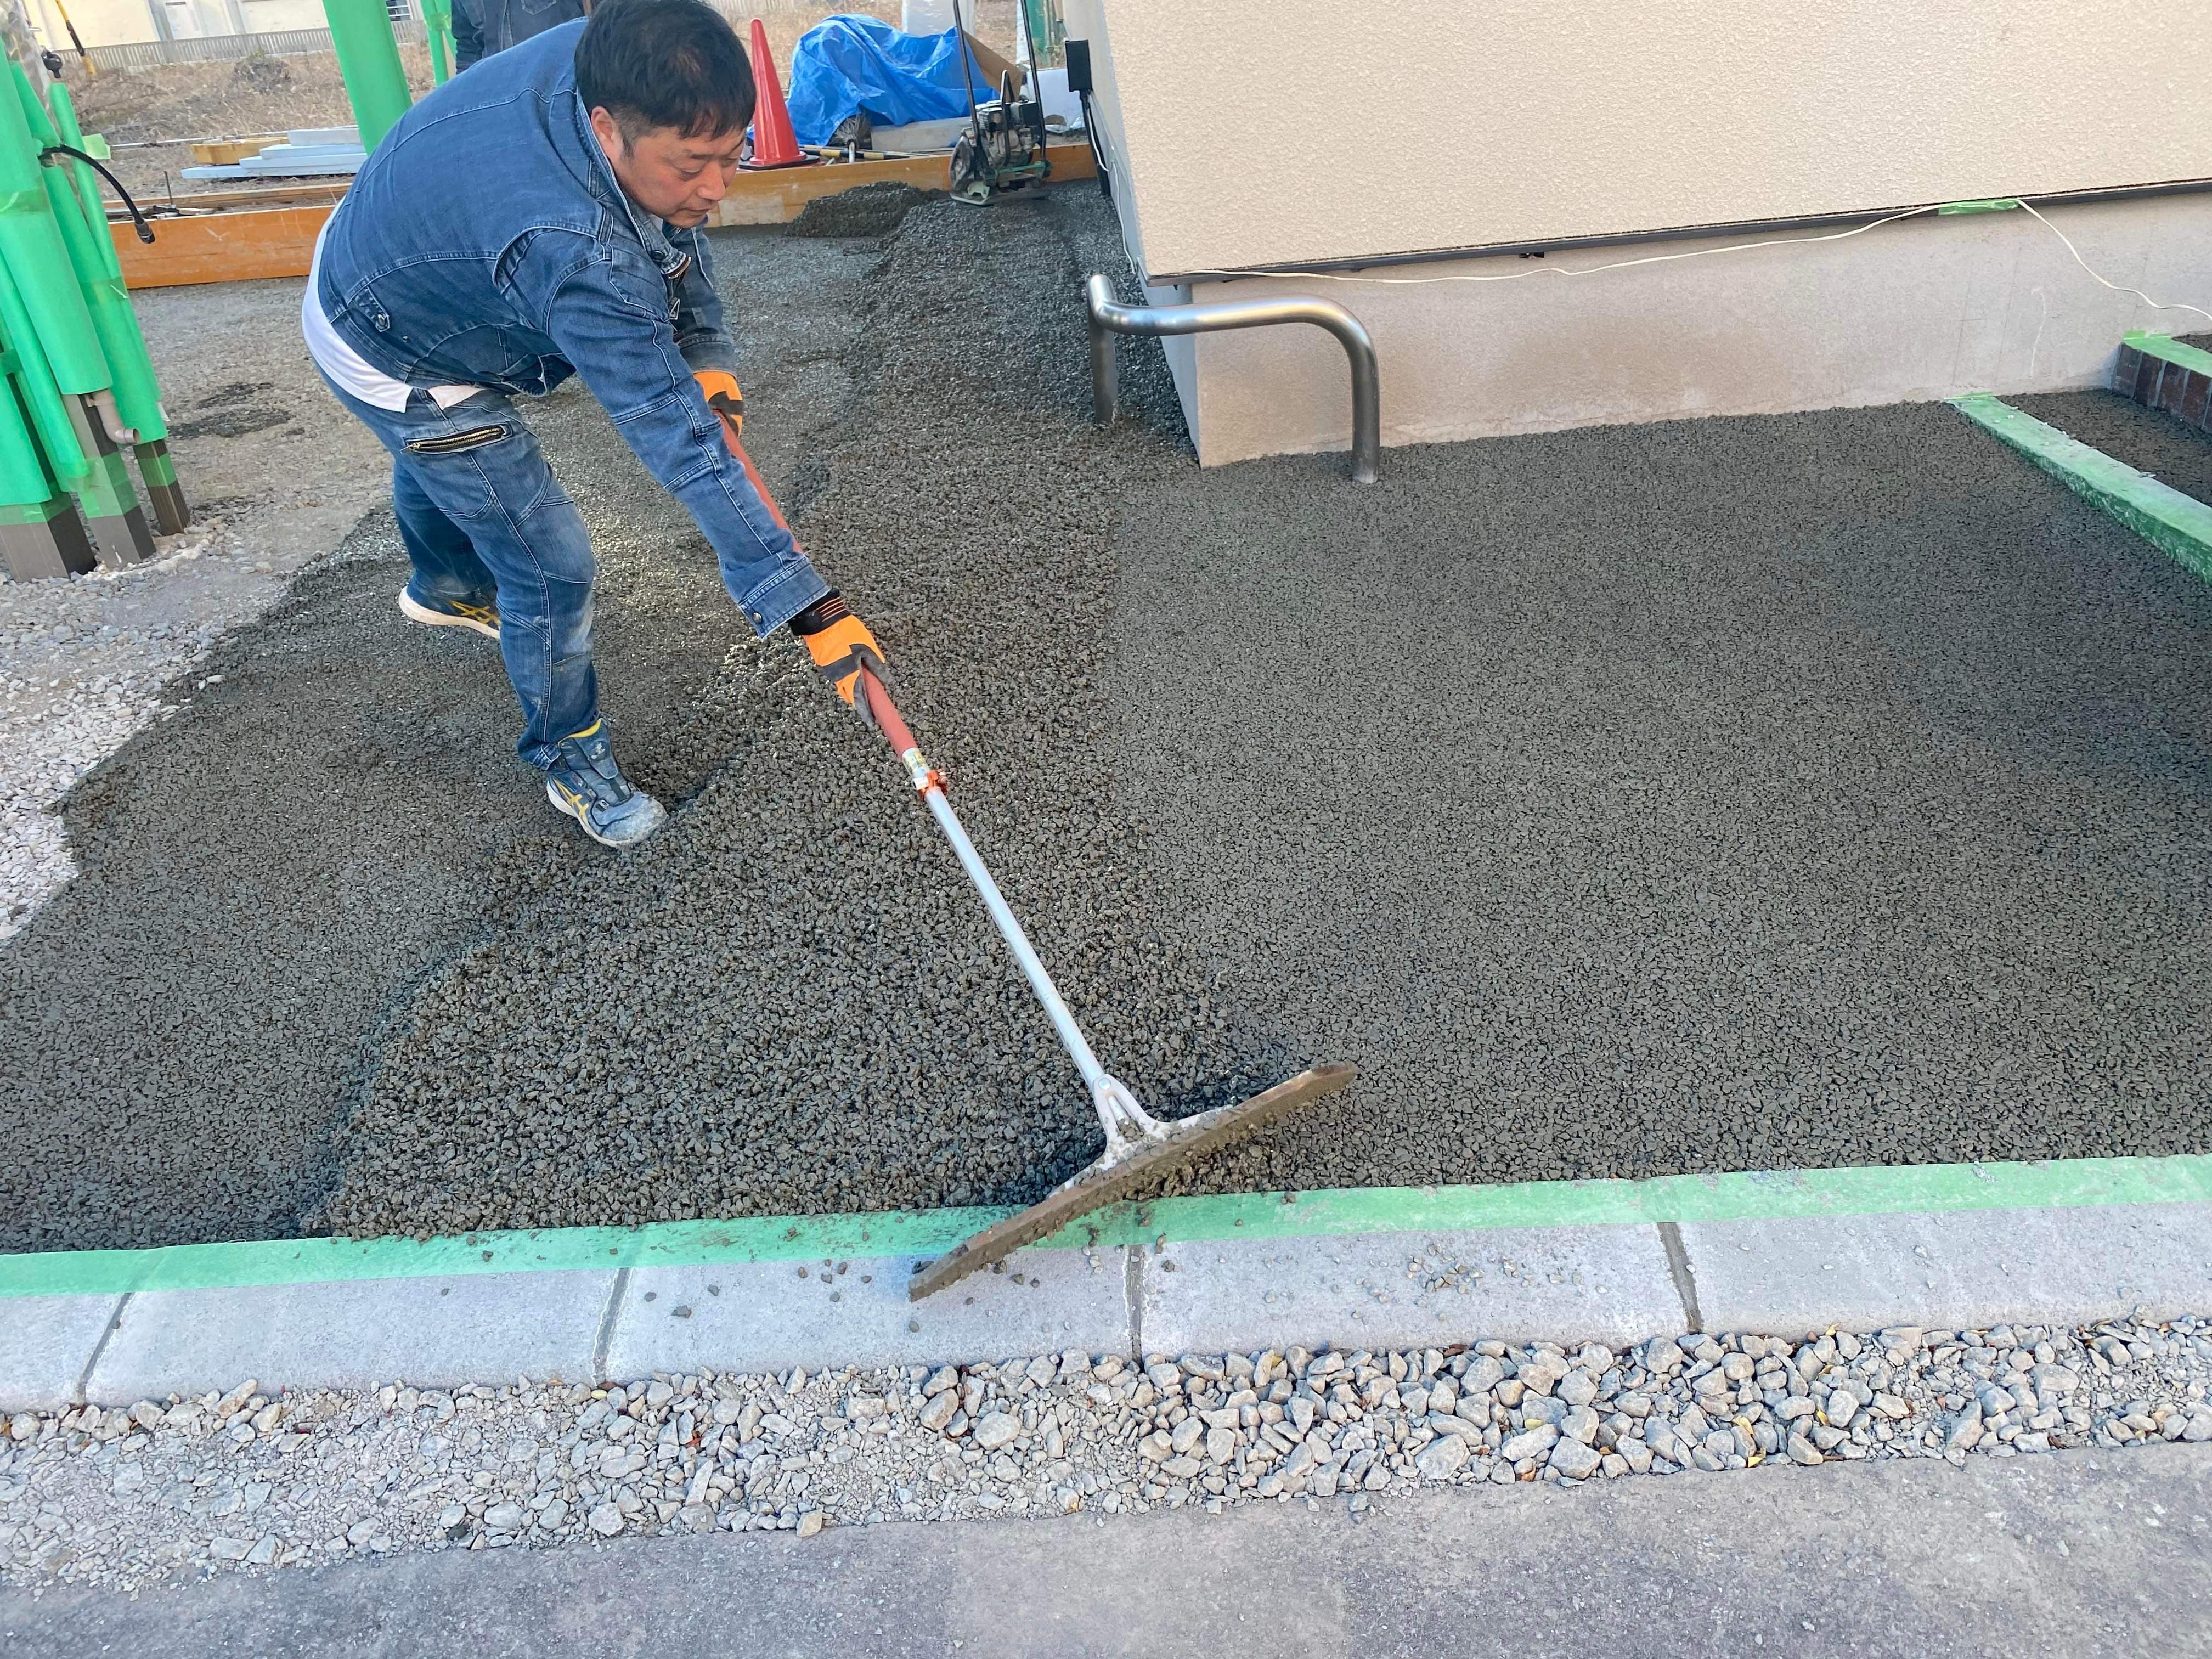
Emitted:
pixel 1155 1154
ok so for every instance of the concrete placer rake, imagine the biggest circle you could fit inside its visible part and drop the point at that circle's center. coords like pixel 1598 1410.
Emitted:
pixel 1140 1148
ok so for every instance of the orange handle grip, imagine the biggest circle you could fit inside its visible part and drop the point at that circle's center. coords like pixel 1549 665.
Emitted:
pixel 889 721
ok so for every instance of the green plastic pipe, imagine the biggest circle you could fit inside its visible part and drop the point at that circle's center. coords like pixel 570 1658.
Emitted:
pixel 31 248
pixel 438 26
pixel 49 415
pixel 23 478
pixel 369 61
pixel 99 271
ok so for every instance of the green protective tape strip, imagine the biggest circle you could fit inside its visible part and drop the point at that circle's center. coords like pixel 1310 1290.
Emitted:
pixel 2167 348
pixel 2179 524
pixel 2067 1183
pixel 155 466
pixel 1988 204
pixel 106 491
pixel 44 512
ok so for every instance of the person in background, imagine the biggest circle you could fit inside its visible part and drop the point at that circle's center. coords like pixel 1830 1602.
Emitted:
pixel 482 27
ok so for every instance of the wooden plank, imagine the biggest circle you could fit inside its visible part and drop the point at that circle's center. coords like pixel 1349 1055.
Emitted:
pixel 220 247
pixel 280 241
pixel 778 197
pixel 229 152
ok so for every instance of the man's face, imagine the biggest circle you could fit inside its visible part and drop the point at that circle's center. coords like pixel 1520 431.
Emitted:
pixel 666 173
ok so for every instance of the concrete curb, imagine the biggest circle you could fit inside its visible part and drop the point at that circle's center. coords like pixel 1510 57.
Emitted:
pixel 2057 1243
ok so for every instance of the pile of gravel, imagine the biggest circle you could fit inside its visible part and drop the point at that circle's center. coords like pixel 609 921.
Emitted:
pixel 125 1498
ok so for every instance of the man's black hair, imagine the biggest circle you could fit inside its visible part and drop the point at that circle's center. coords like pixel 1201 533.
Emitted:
pixel 664 64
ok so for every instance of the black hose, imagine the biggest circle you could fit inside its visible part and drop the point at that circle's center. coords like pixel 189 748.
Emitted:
pixel 138 219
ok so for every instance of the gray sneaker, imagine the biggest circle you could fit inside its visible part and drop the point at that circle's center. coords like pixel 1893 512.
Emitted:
pixel 585 782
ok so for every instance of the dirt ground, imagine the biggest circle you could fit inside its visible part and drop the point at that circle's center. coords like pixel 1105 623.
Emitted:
pixel 154 115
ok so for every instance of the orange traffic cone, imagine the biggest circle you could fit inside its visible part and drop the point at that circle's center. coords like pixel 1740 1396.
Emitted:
pixel 775 145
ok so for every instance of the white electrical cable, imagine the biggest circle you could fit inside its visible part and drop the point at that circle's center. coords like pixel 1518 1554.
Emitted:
pixel 2115 287
pixel 1693 253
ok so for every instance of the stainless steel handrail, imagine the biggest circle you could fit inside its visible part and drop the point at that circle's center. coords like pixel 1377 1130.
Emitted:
pixel 1109 317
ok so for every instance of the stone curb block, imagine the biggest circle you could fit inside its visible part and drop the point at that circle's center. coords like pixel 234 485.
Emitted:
pixel 1615 1284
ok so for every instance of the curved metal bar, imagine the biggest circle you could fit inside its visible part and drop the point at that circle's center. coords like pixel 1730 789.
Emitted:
pixel 1108 317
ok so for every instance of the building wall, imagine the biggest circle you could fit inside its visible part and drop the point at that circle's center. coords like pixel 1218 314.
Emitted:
pixel 120 22
pixel 1267 132
pixel 98 22
pixel 1244 132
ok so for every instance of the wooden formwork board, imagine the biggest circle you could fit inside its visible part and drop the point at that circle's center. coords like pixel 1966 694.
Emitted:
pixel 220 247
pixel 236 244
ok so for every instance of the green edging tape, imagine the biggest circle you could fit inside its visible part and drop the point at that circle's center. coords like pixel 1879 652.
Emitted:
pixel 2178 525
pixel 1919 1189
pixel 2167 348
pixel 1986 204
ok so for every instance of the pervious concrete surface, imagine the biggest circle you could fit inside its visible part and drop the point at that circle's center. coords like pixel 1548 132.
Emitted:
pixel 1816 790
pixel 2148 439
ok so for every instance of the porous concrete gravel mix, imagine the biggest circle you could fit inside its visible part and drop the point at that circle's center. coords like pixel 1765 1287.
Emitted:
pixel 1825 789
pixel 163 1490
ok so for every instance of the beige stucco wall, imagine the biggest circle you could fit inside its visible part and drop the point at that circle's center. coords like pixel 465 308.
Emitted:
pixel 1266 131
pixel 1921 309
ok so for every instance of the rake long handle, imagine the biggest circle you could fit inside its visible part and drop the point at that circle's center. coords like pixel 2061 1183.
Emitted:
pixel 929 783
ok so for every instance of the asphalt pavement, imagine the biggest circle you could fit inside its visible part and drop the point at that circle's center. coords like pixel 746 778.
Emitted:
pixel 2065 1554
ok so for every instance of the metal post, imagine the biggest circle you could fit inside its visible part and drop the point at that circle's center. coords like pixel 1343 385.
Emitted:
pixel 438 30
pixel 137 390
pixel 1105 314
pixel 40 533
pixel 369 63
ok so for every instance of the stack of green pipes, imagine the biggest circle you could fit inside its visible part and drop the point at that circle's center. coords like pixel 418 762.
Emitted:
pixel 77 388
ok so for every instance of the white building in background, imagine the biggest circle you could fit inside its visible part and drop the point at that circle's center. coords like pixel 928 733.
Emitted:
pixel 120 22
pixel 1467 143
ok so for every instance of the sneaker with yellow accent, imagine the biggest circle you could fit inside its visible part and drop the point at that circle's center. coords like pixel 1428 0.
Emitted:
pixel 585 782
pixel 479 619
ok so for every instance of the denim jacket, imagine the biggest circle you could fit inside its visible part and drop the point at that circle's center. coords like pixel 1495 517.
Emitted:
pixel 486 243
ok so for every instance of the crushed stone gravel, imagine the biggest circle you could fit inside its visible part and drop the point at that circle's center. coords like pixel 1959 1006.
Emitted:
pixel 163 1491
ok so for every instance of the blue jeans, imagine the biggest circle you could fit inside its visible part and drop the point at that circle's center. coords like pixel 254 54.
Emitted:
pixel 483 519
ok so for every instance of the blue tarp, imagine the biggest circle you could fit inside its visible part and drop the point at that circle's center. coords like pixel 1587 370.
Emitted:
pixel 845 64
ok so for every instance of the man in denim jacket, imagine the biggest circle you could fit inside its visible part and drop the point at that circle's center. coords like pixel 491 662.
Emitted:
pixel 534 218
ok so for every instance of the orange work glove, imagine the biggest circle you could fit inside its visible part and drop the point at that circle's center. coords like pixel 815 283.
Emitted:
pixel 721 390
pixel 842 646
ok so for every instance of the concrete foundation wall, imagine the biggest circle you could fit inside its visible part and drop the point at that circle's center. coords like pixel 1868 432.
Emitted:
pixel 1923 308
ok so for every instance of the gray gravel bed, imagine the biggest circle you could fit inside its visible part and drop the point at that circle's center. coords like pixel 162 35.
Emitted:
pixel 790 999
pixel 166 1490
pixel 1818 790
pixel 2148 439
pixel 337 810
pixel 1715 794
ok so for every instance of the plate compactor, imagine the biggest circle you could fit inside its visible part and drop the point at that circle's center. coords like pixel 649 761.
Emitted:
pixel 1141 1150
